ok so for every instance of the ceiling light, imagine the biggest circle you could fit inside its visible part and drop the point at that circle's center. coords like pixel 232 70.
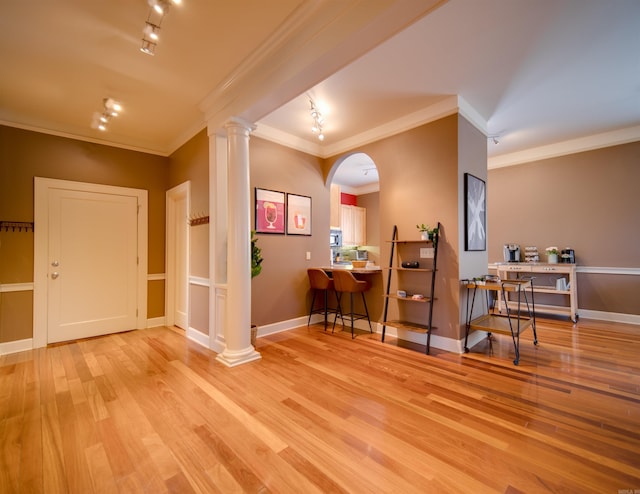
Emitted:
pixel 111 108
pixel 494 138
pixel 148 47
pixel 159 6
pixel 318 120
pixel 151 31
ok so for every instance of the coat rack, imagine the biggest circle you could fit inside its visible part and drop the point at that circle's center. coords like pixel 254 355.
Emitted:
pixel 16 225
pixel 198 219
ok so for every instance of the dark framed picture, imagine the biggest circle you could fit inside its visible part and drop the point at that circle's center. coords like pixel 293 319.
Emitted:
pixel 270 211
pixel 475 213
pixel 298 215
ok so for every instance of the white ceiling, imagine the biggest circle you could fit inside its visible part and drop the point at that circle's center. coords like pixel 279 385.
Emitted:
pixel 546 76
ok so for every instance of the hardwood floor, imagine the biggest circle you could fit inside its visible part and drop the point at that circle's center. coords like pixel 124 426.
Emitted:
pixel 149 411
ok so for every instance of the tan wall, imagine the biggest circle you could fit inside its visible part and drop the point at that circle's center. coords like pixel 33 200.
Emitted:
pixel 281 291
pixel 191 163
pixel 371 202
pixel 587 201
pixel 26 155
pixel 419 178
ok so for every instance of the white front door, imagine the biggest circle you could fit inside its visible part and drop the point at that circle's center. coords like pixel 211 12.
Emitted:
pixel 93 264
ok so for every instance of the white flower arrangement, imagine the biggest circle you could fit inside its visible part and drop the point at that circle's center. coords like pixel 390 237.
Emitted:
pixel 552 250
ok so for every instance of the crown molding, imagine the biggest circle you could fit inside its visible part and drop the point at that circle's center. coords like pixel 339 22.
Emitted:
pixel 288 140
pixel 445 107
pixel 572 146
pixel 78 137
pixel 362 189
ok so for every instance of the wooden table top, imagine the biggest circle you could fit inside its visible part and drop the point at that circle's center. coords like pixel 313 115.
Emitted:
pixel 349 267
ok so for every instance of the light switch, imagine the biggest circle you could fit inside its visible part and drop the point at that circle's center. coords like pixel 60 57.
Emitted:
pixel 308 256
pixel 427 252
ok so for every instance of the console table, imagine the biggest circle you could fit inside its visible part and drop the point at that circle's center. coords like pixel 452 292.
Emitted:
pixel 508 271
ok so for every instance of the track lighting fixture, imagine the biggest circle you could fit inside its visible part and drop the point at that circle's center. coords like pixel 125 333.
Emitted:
pixel 111 108
pixel 494 138
pixel 318 120
pixel 151 31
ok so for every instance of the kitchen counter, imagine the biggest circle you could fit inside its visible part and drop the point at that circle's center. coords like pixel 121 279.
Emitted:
pixel 349 267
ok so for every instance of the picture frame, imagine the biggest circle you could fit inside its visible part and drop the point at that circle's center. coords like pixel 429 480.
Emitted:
pixel 475 213
pixel 270 211
pixel 298 215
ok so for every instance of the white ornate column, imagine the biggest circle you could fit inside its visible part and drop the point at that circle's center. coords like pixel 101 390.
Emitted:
pixel 238 348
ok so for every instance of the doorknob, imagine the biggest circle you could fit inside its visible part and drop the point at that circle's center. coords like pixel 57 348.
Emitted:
pixel 55 264
pixel 54 275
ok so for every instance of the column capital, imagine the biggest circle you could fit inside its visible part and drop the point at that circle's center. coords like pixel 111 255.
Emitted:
pixel 239 123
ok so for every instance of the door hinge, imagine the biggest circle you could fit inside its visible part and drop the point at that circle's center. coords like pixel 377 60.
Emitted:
pixel 136 312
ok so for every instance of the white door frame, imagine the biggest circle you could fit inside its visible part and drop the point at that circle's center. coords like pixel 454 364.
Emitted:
pixel 41 252
pixel 178 192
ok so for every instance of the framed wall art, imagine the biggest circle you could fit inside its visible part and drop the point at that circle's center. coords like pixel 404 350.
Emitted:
pixel 298 215
pixel 270 211
pixel 475 216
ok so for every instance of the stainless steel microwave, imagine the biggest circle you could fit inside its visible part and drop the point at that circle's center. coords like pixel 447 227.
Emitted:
pixel 335 238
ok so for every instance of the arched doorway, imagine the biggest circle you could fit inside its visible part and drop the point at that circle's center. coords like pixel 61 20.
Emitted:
pixel 355 211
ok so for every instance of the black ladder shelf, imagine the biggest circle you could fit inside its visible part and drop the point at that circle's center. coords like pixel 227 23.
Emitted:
pixel 426 269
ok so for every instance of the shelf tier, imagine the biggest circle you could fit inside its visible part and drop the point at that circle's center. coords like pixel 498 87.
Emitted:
pixel 497 286
pixel 494 323
pixel 417 270
pixel 549 289
pixel 560 310
pixel 410 241
pixel 408 326
pixel 409 299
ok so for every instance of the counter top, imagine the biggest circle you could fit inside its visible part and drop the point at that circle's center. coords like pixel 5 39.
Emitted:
pixel 349 267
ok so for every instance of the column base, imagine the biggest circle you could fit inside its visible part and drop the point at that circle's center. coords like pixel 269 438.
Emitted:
pixel 232 358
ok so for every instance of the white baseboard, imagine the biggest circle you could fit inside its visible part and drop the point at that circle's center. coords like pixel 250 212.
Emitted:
pixel 197 336
pixel 439 342
pixel 154 322
pixel 16 346
pixel 278 327
pixel 609 316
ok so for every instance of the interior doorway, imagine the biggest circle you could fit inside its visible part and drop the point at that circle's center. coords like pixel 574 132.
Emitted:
pixel 355 187
pixel 177 257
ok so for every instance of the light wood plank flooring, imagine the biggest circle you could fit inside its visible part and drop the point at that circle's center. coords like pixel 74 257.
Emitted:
pixel 149 411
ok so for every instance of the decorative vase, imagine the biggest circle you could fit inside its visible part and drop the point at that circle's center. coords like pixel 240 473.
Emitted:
pixel 552 258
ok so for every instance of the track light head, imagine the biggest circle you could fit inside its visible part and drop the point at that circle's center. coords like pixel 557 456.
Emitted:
pixel 318 120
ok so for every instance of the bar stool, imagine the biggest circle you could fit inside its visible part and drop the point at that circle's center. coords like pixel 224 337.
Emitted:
pixel 345 282
pixel 320 281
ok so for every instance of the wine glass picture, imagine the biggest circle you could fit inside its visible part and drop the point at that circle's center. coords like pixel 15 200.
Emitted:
pixel 270 211
pixel 270 214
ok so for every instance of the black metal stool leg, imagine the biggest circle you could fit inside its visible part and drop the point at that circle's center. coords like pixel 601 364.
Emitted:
pixel 338 296
pixel 326 300
pixel 313 300
pixel 364 301
pixel 351 308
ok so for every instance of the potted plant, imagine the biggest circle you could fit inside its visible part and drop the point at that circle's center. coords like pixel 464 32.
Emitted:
pixel 256 256
pixel 427 232
pixel 256 269
pixel 552 254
